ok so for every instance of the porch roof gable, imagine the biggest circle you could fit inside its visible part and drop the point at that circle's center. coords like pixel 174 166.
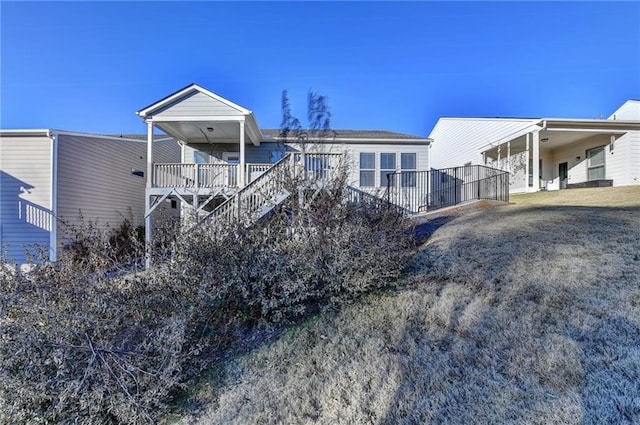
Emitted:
pixel 192 113
pixel 185 93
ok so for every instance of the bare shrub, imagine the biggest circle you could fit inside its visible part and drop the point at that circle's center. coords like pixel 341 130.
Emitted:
pixel 92 339
pixel 82 342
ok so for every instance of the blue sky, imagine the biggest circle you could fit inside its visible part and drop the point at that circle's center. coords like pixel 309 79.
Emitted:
pixel 88 66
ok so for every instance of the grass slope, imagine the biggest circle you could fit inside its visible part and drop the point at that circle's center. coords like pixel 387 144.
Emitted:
pixel 517 314
pixel 622 196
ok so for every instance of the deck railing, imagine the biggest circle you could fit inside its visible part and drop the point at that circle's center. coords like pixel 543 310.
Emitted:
pixel 260 193
pixel 203 175
pixel 421 191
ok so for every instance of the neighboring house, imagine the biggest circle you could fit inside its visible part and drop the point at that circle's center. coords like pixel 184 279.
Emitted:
pixel 48 177
pixel 230 164
pixel 545 153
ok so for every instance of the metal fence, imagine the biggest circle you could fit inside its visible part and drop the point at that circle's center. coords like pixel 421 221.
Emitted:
pixel 421 191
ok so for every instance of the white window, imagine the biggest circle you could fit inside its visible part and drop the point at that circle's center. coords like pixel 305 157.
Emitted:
pixel 408 163
pixel 387 165
pixel 595 163
pixel 367 169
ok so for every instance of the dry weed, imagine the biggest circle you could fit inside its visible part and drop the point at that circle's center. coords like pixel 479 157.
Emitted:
pixel 515 315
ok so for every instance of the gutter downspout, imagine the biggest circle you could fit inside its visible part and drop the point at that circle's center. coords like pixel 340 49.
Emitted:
pixel 53 233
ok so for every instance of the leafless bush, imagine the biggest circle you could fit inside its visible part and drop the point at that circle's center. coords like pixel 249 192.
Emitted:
pixel 79 343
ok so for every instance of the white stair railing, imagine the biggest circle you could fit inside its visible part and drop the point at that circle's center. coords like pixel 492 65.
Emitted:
pixel 258 197
pixel 268 189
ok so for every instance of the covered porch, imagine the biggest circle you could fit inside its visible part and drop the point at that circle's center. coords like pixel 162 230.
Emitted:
pixel 213 134
pixel 556 154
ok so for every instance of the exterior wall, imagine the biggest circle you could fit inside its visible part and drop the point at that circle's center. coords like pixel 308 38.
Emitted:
pixel 253 154
pixel 615 166
pixel 268 153
pixel 25 194
pixel 197 104
pixel 354 151
pixel 627 148
pixel 95 179
pixel 457 141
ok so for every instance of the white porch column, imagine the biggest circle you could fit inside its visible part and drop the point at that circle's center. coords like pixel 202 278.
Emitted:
pixel 509 156
pixel 526 163
pixel 147 196
pixel 536 161
pixel 499 157
pixel 242 171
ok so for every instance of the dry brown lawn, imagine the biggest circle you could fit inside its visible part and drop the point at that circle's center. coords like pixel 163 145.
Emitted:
pixel 517 314
pixel 623 196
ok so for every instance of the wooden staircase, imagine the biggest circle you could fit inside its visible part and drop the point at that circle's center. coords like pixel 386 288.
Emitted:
pixel 258 198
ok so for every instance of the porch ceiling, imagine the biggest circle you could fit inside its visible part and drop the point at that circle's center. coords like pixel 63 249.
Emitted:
pixel 549 140
pixel 204 131
pixel 554 139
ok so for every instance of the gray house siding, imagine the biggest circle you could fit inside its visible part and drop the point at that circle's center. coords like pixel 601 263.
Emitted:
pixel 94 176
pixel 197 104
pixel 96 180
pixel 25 194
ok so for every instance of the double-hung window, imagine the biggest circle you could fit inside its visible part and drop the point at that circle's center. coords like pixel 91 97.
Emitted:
pixel 367 169
pixel 387 165
pixel 408 166
pixel 595 163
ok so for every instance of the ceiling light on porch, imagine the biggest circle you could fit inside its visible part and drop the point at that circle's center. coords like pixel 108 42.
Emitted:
pixel 546 139
pixel 210 129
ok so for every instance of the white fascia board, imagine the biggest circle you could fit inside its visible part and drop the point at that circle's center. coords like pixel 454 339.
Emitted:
pixel 389 140
pixel 590 124
pixel 194 118
pixel 25 132
pixel 358 140
pixel 591 130
pixel 253 130
pixel 498 119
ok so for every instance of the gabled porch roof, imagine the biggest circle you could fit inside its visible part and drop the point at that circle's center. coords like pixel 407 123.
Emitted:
pixel 194 114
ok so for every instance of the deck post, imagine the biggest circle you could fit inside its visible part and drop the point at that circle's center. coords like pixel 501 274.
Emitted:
pixel 536 161
pixel 147 197
pixel 526 163
pixel 241 171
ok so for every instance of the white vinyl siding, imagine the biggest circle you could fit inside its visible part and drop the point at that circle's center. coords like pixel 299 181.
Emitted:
pixel 95 179
pixel 196 104
pixel 460 140
pixel 25 194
